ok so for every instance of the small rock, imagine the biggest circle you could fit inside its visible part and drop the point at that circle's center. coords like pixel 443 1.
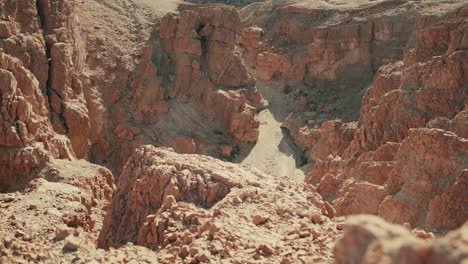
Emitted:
pixel 260 220
pixel 328 210
pixel 304 234
pixel 236 200
pixel 316 218
pixel 202 257
pixel 172 237
pixel 72 243
pixel 266 249
pixel 169 201
pixel 193 251
pixel 187 238
pixel 150 218
pixel 61 232
pixel 184 251
pixel 19 233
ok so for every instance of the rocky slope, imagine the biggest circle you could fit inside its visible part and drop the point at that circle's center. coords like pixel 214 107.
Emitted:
pixel 193 208
pixel 154 82
pixel 409 145
pixel 106 107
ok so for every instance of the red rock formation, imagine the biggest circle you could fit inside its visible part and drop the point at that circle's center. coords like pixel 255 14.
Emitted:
pixel 61 208
pixel 204 68
pixel 312 43
pixel 99 79
pixel 45 35
pixel 404 168
pixel 331 138
pixel 196 208
pixel 151 176
pixel 429 174
pixel 368 239
pixel 21 29
pixel 26 134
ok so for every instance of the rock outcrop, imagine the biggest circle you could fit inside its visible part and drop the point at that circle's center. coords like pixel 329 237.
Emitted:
pixel 46 36
pixel 410 144
pixel 194 70
pixel 196 208
pixel 44 113
pixel 61 207
pixel 182 83
pixel 27 137
pixel 153 177
pixel 331 51
pixel 145 87
pixel 368 239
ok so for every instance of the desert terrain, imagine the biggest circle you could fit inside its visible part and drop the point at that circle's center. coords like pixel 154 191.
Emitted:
pixel 276 131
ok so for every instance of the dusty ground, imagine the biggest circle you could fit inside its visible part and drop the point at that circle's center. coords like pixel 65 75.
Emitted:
pixel 167 207
pixel 274 153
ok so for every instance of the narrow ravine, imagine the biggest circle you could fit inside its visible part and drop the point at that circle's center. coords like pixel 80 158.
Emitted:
pixel 274 153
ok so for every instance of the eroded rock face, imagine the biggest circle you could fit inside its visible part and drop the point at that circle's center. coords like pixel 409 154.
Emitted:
pixel 195 69
pixel 156 93
pixel 98 79
pixel 62 207
pixel 332 41
pixel 26 134
pixel 45 35
pixel 409 147
pixel 152 175
pixel 331 138
pixel 196 208
pixel 369 239
pixel 330 54
pixel 429 173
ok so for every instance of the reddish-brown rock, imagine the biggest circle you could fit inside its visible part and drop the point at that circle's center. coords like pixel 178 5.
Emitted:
pixel 429 181
pixel 60 208
pixel 26 134
pixel 153 174
pixel 201 44
pixel 188 207
pixel 369 239
pixel 331 138
pixel 389 153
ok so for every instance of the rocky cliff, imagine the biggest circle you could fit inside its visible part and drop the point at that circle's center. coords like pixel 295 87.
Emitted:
pixel 409 129
pixel 117 120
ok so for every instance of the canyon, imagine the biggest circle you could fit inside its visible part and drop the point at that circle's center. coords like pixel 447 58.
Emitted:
pixel 277 131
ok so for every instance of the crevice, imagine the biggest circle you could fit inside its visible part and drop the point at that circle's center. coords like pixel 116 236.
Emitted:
pixel 43 26
pixel 203 39
pixel 41 16
pixel 48 47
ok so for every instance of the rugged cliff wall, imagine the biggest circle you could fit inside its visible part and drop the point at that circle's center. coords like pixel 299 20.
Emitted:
pixel 185 86
pixel 408 148
pixel 379 96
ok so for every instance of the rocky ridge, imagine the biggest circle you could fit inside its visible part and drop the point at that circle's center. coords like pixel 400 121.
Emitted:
pixel 102 82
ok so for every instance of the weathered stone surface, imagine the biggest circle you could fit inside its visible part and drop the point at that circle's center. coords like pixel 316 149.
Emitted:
pixel 99 79
pixel 410 139
pixel 429 181
pixel 26 134
pixel 193 207
pixel 70 196
pixel 369 239
pixel 153 174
